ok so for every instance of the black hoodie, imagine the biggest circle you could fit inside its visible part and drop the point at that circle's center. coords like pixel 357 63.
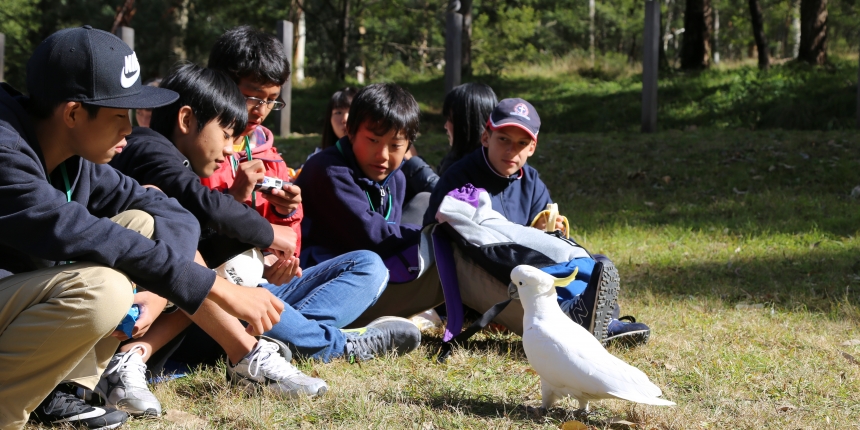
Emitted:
pixel 40 228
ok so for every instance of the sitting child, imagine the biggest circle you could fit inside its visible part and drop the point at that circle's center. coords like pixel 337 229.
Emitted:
pixel 187 141
pixel 358 194
pixel 517 193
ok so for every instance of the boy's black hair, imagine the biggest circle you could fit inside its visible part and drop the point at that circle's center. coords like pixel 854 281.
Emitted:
pixel 43 109
pixel 243 52
pixel 468 107
pixel 341 99
pixel 383 107
pixel 210 94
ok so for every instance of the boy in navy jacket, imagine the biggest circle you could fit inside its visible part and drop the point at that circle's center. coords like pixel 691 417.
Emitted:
pixel 77 234
pixel 357 197
pixel 516 191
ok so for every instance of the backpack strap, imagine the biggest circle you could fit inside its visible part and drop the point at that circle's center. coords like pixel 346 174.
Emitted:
pixel 476 326
pixel 445 264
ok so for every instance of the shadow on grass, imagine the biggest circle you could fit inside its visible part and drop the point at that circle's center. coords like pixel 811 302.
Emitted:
pixel 820 281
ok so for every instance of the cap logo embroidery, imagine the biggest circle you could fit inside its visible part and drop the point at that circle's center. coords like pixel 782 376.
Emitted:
pixel 130 72
pixel 521 110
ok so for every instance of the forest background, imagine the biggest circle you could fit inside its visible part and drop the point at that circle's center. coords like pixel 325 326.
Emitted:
pixel 586 49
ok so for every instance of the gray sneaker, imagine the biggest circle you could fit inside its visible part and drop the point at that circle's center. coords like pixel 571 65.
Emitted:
pixel 123 385
pixel 267 366
pixel 381 336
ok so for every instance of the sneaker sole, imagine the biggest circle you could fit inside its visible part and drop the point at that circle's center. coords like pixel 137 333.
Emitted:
pixel 253 388
pixel 605 302
pixel 632 338
pixel 136 411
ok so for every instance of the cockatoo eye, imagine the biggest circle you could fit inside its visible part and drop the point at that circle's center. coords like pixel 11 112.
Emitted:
pixel 521 282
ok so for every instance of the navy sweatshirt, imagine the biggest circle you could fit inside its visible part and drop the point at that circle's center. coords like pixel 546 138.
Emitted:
pixel 152 159
pixel 519 198
pixel 40 228
pixel 346 211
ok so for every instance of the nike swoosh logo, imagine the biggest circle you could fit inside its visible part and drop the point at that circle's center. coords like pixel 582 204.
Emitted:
pixel 127 82
pixel 95 412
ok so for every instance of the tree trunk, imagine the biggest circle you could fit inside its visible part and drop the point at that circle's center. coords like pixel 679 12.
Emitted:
pixel 591 31
pixel 466 53
pixel 344 43
pixel 758 32
pixel 795 29
pixel 696 47
pixel 299 53
pixel 813 31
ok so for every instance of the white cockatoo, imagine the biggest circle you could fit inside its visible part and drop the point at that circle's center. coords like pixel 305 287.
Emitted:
pixel 569 360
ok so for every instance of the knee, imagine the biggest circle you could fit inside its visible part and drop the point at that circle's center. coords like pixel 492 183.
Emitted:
pixel 109 295
pixel 138 221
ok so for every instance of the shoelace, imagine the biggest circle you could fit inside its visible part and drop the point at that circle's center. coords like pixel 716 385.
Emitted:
pixel 65 404
pixel 270 361
pixel 136 375
pixel 365 344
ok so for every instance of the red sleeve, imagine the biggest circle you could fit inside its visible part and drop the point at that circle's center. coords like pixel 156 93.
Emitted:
pixel 222 179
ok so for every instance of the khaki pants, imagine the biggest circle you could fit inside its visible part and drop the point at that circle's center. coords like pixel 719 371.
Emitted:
pixel 480 291
pixel 55 325
pixel 405 300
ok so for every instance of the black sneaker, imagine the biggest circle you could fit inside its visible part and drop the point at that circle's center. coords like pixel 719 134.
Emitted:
pixel 626 331
pixel 594 307
pixel 62 406
pixel 381 336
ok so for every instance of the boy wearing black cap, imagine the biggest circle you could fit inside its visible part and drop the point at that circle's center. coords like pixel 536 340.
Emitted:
pixel 517 192
pixel 78 234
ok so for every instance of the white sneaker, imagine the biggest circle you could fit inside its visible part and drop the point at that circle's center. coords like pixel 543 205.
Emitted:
pixel 123 385
pixel 266 366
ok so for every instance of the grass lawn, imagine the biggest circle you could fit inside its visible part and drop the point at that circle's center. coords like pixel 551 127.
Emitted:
pixel 738 248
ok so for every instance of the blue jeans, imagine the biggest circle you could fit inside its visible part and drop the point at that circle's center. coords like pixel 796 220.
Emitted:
pixel 327 297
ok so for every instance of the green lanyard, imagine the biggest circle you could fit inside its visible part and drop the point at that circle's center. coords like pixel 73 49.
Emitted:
pixel 65 182
pixel 68 192
pixel 248 153
pixel 372 209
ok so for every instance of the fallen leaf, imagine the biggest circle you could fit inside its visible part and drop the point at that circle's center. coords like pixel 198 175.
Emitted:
pixel 771 168
pixel 851 342
pixel 619 422
pixel 532 371
pixel 670 367
pixel 649 204
pixel 573 425
pixel 667 179
pixel 786 408
pixel 814 245
pixel 850 358
pixel 185 419
pixel 427 426
pixel 315 374
pixel 786 166
pixel 739 192
pixel 737 250
pixel 757 177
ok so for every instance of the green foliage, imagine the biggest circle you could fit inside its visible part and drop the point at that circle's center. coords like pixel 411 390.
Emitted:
pixel 16 18
pixel 502 38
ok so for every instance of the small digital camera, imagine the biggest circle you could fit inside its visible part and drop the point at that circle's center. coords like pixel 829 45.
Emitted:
pixel 270 184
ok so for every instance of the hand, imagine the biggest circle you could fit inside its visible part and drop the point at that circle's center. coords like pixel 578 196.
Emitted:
pixel 285 200
pixel 282 270
pixel 248 174
pixel 256 306
pixel 285 240
pixel 150 306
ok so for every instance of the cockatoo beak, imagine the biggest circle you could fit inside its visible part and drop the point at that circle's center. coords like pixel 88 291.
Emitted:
pixel 513 291
pixel 561 282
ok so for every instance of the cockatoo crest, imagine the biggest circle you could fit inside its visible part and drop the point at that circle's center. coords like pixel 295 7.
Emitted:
pixel 531 281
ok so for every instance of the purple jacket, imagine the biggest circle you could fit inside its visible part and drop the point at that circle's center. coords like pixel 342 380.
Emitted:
pixel 346 211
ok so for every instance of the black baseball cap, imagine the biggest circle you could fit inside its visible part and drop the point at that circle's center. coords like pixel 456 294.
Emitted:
pixel 91 66
pixel 515 113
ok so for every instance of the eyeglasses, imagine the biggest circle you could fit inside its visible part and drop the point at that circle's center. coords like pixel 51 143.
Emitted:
pixel 254 103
